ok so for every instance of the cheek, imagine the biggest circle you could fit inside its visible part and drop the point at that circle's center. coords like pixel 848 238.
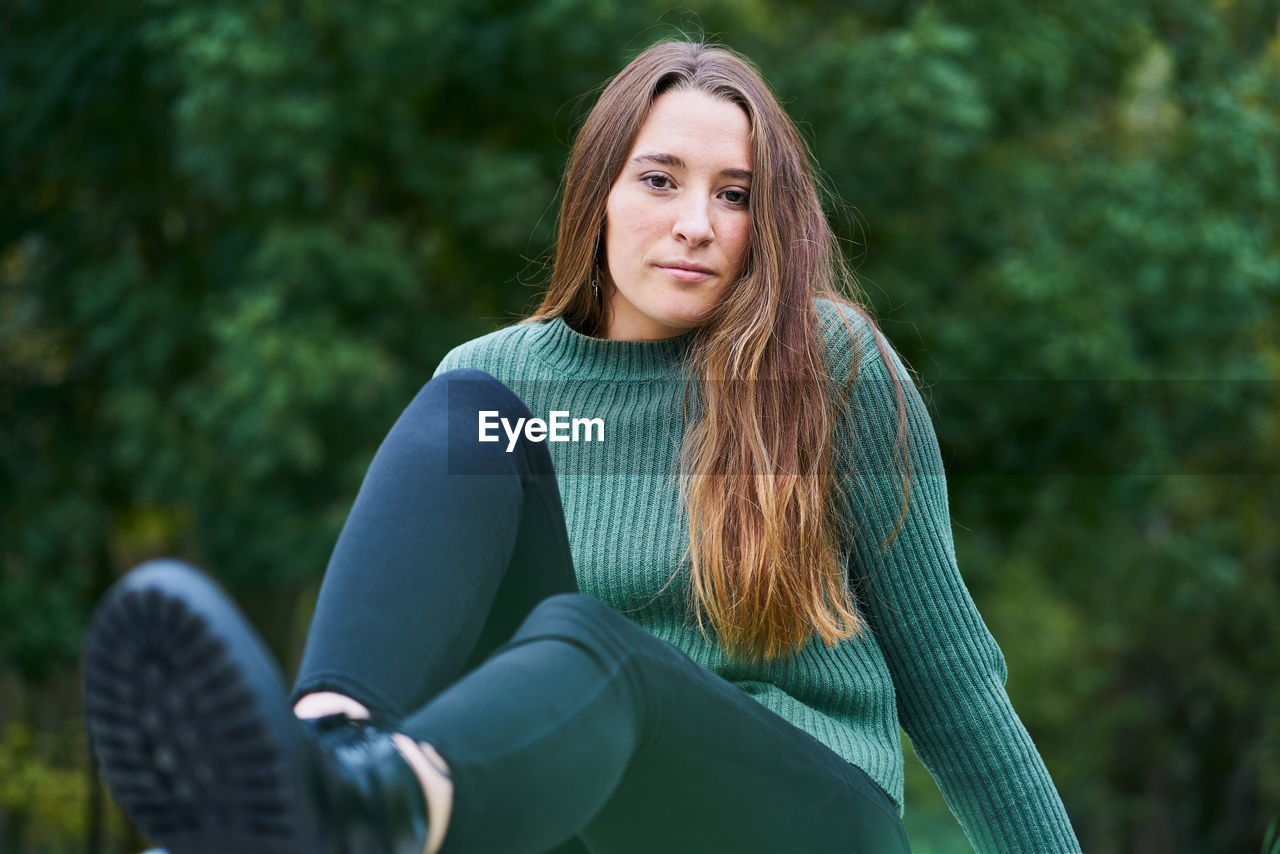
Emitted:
pixel 737 242
pixel 631 227
pixel 614 216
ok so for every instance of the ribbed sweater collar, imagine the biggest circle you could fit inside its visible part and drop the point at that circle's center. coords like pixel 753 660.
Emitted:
pixel 578 355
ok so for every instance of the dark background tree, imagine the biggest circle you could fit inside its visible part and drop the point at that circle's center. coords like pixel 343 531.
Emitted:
pixel 237 235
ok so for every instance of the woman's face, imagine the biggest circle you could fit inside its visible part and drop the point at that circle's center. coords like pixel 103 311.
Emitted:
pixel 677 219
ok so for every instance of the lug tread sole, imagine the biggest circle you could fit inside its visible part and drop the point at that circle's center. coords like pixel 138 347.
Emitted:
pixel 187 715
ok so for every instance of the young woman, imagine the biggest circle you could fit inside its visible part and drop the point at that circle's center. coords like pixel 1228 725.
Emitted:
pixel 696 627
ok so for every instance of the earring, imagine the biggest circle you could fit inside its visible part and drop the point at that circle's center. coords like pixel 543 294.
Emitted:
pixel 595 287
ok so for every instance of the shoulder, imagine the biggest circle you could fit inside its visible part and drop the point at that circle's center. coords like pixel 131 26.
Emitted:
pixel 880 398
pixel 498 349
pixel 853 344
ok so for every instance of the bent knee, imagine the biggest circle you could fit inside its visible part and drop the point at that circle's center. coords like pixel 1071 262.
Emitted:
pixel 578 618
pixel 472 389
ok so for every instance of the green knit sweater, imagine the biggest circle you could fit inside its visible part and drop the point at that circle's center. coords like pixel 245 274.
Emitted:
pixel 926 663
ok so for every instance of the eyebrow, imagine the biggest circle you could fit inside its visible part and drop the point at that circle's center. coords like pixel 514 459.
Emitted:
pixel 676 163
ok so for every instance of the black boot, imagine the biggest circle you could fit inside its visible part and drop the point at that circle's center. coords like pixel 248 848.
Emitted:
pixel 362 781
pixel 195 736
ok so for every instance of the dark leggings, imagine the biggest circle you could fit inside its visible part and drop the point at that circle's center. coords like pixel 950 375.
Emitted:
pixel 450 609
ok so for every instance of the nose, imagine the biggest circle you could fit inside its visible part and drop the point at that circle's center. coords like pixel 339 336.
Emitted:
pixel 693 220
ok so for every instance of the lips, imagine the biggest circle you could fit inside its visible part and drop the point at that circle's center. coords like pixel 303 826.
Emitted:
pixel 685 265
pixel 685 271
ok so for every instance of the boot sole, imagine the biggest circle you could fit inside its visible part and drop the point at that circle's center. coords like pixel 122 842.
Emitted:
pixel 188 716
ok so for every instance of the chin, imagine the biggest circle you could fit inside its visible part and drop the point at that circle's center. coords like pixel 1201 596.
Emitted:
pixel 685 317
pixel 681 325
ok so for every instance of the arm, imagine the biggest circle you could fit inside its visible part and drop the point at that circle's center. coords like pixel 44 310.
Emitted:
pixel 948 673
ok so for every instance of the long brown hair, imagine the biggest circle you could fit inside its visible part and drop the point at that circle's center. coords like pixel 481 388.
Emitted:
pixel 766 533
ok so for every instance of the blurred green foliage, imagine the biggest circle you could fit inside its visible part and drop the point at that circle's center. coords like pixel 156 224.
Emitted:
pixel 238 234
pixel 44 789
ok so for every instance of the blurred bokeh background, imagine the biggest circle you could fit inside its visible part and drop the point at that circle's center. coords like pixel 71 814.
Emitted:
pixel 237 235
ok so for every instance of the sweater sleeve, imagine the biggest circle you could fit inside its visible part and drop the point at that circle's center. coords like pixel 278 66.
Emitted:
pixel 948 673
